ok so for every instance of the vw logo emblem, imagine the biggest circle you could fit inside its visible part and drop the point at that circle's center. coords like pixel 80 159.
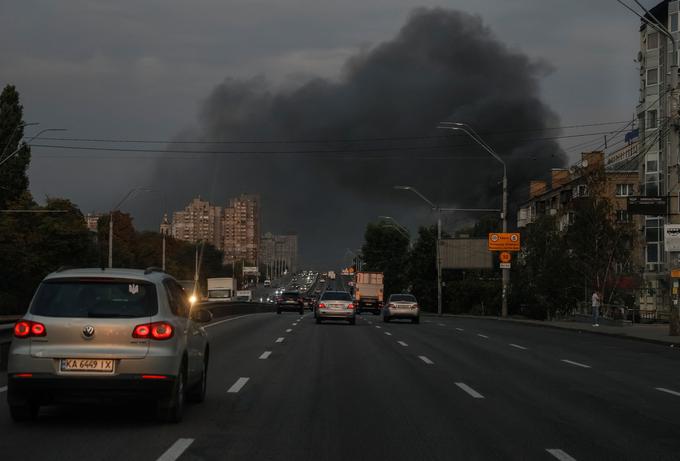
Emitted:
pixel 88 332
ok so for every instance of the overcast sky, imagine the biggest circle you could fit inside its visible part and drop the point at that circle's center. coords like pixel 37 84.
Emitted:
pixel 140 69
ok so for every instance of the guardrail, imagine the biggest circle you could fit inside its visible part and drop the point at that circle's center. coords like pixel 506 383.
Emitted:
pixel 218 309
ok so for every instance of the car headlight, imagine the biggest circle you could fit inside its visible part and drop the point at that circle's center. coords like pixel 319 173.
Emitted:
pixel 193 299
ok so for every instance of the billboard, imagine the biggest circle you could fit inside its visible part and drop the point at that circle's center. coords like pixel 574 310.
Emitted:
pixel 654 206
pixel 248 270
pixel 671 237
pixel 466 254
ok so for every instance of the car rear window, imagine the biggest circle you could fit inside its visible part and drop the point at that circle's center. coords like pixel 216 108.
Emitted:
pixel 336 295
pixel 95 298
pixel 290 294
pixel 407 298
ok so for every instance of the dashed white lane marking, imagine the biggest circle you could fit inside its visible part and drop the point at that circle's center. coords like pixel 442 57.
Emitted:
pixel 279 340
pixel 289 330
pixel 473 393
pixel 518 346
pixel 265 355
pixel 238 385
pixel 295 324
pixel 426 360
pixel 441 324
pixel 577 364
pixel 3 389
pixel 176 450
pixel 388 333
pixel 460 329
pixel 560 454
pixel 378 327
pixel 402 343
pixel 482 336
pixel 662 389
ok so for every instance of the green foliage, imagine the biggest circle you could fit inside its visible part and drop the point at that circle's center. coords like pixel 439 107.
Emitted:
pixel 385 250
pixel 13 173
pixel 422 270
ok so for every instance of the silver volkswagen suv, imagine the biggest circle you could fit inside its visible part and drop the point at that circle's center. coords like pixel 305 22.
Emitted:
pixel 98 334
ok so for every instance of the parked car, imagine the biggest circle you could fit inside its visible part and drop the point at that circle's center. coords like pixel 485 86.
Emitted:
pixel 92 333
pixel 401 306
pixel 290 301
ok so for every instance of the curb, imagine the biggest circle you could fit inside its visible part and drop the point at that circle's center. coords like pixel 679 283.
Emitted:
pixel 558 327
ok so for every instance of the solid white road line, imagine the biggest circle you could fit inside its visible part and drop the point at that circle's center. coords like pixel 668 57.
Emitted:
pixel 279 340
pixel 289 330
pixel 238 385
pixel 460 329
pixel 582 365
pixel 210 325
pixel 402 343
pixel 176 450
pixel 426 360
pixel 560 454
pixel 662 389
pixel 518 346
pixel 265 355
pixel 482 336
pixel 388 333
pixel 3 389
pixel 473 393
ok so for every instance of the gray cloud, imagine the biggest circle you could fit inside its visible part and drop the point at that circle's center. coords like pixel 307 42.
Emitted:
pixel 442 65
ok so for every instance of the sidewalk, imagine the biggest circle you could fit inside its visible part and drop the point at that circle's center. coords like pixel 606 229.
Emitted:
pixel 657 333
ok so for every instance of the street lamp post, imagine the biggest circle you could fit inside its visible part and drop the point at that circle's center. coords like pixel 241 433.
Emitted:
pixel 467 129
pixel 439 241
pixel 16 151
pixel 398 227
pixel 130 192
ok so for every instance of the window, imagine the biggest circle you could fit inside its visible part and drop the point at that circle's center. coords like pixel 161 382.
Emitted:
pixel 652 253
pixel 652 76
pixel 623 216
pixel 96 298
pixel 581 191
pixel 571 218
pixel 177 298
pixel 651 120
pixel 652 166
pixel 674 22
pixel 653 41
pixel 624 190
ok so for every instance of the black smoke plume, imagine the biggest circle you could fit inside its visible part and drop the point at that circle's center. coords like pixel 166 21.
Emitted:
pixel 348 142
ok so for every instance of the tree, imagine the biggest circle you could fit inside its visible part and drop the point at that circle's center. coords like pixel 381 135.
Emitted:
pixel 123 240
pixel 422 270
pixel 13 173
pixel 385 250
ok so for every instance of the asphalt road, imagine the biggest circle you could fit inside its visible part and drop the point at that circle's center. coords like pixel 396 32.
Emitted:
pixel 442 390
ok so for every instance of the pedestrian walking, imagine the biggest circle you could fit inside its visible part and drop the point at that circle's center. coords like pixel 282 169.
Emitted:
pixel 596 308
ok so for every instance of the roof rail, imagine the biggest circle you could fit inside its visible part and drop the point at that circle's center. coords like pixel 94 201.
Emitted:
pixel 151 269
pixel 64 268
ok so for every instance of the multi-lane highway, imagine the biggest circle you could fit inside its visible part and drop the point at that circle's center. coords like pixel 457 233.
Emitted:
pixel 282 387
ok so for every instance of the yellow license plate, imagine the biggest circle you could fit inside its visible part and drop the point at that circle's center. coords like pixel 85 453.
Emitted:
pixel 94 365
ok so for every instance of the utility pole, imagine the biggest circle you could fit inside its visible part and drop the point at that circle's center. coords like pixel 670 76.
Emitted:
pixel 163 251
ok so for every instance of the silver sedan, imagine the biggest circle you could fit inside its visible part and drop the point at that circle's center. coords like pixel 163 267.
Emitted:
pixel 402 306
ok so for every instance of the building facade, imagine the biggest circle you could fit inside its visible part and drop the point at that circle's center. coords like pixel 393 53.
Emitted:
pixel 658 151
pixel 279 254
pixel 241 229
pixel 200 221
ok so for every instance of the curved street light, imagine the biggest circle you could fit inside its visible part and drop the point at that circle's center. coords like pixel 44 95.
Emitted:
pixel 467 129
pixel 130 193
pixel 16 151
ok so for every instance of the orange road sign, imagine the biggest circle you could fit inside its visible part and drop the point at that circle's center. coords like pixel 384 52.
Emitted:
pixel 505 257
pixel 503 241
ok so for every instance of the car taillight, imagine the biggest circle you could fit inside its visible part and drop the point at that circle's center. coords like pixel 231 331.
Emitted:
pixel 350 306
pixel 322 306
pixel 26 328
pixel 156 330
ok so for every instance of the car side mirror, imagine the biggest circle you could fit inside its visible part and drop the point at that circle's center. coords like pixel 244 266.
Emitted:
pixel 201 315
